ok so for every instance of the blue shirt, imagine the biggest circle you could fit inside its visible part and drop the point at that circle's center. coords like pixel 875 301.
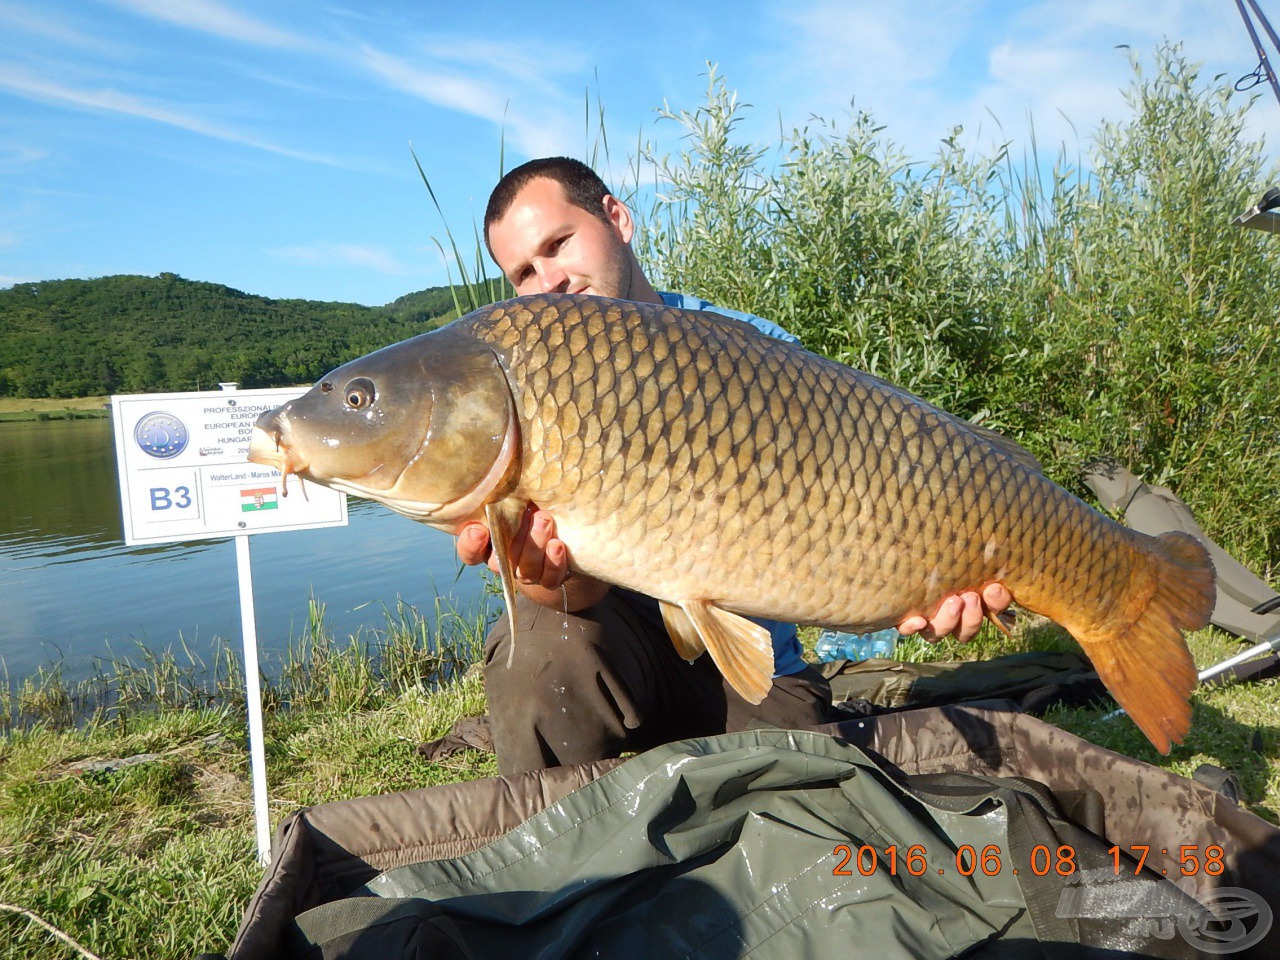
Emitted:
pixel 787 652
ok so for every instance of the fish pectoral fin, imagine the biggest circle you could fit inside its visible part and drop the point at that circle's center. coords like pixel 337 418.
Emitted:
pixel 684 635
pixel 741 649
pixel 1002 621
pixel 503 519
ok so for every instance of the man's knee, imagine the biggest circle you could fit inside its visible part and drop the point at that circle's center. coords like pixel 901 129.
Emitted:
pixel 559 701
pixel 795 701
pixel 541 658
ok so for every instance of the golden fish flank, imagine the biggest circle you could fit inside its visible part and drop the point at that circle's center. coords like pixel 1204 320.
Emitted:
pixel 686 456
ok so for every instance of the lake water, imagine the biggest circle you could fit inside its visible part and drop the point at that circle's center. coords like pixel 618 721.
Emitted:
pixel 71 591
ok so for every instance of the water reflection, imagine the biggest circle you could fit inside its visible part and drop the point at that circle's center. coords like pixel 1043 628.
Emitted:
pixel 70 589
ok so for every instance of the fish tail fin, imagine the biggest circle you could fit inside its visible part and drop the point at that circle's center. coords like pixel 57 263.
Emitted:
pixel 1140 652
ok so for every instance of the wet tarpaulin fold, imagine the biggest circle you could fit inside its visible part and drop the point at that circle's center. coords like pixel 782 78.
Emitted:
pixel 768 844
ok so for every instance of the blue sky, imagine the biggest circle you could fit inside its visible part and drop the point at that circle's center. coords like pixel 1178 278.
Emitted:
pixel 265 145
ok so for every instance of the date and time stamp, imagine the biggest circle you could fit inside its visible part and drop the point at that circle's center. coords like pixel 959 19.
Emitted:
pixel 1043 860
pixel 1215 920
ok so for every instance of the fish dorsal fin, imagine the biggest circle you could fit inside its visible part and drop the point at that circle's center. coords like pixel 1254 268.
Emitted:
pixel 503 519
pixel 741 649
pixel 1011 449
pixel 684 635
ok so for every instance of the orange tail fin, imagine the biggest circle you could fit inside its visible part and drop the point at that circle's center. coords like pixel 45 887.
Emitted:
pixel 1140 653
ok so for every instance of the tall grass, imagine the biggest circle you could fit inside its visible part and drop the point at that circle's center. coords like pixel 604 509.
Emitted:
pixel 474 287
pixel 413 651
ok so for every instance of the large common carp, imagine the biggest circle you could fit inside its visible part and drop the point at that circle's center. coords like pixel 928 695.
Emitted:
pixel 688 457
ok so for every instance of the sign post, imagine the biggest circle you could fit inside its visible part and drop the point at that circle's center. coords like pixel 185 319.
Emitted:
pixel 184 475
pixel 253 700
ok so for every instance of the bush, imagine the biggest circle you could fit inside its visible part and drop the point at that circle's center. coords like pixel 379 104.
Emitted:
pixel 1113 313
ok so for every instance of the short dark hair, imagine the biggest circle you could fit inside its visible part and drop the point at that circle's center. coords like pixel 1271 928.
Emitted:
pixel 582 187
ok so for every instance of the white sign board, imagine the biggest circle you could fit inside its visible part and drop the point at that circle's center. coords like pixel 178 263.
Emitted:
pixel 184 473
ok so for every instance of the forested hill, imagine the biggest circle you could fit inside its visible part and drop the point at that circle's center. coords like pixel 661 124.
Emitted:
pixel 126 334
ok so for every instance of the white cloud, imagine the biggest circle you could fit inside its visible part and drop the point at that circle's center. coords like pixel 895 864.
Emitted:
pixel 456 93
pixel 1141 20
pixel 925 67
pixel 526 61
pixel 22 82
pixel 15 17
pixel 364 256
pixel 895 60
pixel 535 129
pixel 1066 91
pixel 220 20
pixel 18 156
pixel 855 45
pixel 520 69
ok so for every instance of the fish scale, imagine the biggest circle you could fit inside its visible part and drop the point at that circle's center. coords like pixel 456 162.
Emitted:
pixel 758 494
pixel 688 457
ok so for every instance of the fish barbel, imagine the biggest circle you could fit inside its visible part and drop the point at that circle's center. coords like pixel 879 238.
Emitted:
pixel 690 458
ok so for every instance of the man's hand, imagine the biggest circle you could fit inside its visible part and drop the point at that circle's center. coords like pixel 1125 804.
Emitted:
pixel 960 614
pixel 541 562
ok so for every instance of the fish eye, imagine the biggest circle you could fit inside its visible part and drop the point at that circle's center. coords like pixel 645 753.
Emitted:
pixel 359 393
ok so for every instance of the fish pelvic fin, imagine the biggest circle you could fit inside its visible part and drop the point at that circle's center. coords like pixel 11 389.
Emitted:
pixel 1140 654
pixel 684 635
pixel 503 519
pixel 741 649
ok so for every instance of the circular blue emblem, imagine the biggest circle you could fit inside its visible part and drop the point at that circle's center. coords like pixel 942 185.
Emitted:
pixel 161 435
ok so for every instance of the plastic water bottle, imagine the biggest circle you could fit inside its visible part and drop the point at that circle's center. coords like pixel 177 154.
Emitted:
pixel 833 645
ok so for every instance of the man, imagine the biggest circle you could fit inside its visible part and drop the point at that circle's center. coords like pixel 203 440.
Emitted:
pixel 594 673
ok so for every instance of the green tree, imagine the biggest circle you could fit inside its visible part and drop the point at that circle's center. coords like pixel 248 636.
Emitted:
pixel 144 372
pixel 1157 344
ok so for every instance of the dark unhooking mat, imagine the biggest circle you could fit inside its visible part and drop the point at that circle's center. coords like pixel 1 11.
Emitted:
pixel 764 844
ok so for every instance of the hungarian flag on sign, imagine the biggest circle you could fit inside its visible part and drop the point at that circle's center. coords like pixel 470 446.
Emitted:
pixel 262 498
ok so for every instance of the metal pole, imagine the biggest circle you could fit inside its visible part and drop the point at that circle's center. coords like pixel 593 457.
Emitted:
pixel 253 700
pixel 252 690
pixel 1263 61
pixel 1266 646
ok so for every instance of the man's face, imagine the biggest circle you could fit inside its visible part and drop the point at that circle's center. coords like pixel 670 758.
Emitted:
pixel 545 244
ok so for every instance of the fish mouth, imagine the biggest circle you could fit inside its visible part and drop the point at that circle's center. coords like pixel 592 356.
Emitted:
pixel 268 448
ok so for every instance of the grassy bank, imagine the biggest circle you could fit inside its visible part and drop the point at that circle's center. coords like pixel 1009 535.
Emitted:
pixel 152 854
pixel 132 831
pixel 20 408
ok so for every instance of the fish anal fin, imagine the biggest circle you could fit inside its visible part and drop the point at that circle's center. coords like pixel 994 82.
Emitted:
pixel 1140 654
pixel 684 635
pixel 741 649
pixel 503 519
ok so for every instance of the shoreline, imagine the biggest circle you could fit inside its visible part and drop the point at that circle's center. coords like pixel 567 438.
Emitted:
pixel 28 409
